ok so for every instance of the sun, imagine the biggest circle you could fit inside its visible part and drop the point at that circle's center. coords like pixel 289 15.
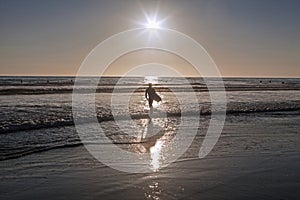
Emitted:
pixel 152 24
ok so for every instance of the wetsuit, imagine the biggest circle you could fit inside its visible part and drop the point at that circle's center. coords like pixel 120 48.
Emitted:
pixel 151 93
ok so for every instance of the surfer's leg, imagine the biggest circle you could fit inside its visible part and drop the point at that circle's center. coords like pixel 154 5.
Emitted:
pixel 150 102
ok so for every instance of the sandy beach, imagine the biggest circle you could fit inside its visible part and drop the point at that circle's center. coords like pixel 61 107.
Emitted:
pixel 256 157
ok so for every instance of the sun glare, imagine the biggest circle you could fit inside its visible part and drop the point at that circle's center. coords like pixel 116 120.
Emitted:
pixel 155 154
pixel 152 24
pixel 151 79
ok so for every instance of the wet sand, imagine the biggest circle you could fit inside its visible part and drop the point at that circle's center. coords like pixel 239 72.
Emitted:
pixel 257 157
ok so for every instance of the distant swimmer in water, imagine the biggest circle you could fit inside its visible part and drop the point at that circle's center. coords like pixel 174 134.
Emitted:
pixel 151 95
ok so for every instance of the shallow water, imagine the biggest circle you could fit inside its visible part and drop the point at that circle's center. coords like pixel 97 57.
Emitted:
pixel 38 121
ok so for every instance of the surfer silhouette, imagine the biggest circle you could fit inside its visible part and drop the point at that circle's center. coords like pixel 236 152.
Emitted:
pixel 151 95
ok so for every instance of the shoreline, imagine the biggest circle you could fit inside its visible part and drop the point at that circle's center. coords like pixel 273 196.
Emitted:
pixel 292 111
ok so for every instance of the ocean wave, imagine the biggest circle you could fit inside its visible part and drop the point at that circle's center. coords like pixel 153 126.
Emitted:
pixel 232 108
pixel 126 89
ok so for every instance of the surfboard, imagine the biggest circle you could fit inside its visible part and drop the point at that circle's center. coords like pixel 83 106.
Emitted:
pixel 156 97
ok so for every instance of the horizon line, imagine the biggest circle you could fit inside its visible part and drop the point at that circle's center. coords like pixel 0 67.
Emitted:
pixel 116 76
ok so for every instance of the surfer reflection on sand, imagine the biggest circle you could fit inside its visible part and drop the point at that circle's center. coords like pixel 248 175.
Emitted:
pixel 157 135
pixel 152 138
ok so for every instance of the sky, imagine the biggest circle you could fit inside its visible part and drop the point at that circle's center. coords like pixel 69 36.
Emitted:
pixel 257 38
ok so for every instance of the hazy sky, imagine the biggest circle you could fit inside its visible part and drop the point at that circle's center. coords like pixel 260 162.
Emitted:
pixel 244 37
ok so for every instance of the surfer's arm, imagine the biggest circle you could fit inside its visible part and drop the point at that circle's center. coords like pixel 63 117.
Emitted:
pixel 146 92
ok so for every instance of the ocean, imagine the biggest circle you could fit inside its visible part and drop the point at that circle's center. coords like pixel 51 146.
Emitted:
pixel 36 112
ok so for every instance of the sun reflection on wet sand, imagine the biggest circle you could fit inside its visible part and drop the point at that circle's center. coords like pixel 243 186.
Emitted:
pixel 154 191
pixel 155 154
pixel 154 139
